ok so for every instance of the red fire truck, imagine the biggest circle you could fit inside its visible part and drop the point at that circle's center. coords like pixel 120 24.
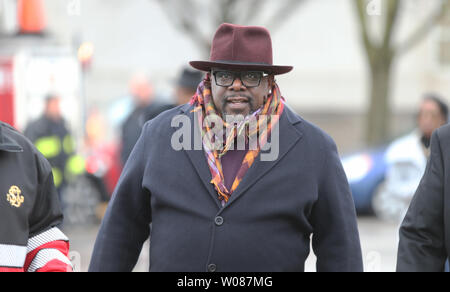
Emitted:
pixel 29 74
pixel 7 109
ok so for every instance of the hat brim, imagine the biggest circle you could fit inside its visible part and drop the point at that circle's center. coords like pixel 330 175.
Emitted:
pixel 207 66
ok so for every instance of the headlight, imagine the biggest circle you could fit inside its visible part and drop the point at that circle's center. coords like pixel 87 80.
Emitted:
pixel 357 167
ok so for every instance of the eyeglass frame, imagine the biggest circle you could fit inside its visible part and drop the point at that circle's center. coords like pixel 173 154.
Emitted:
pixel 235 75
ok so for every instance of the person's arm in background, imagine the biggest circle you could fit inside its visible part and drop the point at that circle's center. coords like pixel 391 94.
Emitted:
pixel 48 247
pixel 421 246
pixel 127 221
pixel 335 240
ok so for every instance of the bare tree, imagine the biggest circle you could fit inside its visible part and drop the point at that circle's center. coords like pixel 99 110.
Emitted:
pixel 382 54
pixel 198 19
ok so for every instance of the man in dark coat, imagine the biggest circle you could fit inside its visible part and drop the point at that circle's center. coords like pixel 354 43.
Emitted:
pixel 53 139
pixel 424 235
pixel 146 108
pixel 217 208
pixel 186 85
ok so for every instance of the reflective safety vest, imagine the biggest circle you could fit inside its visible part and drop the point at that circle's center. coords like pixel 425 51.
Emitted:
pixel 55 142
pixel 51 148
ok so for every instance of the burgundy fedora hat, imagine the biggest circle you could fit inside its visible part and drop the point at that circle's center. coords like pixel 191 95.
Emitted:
pixel 237 47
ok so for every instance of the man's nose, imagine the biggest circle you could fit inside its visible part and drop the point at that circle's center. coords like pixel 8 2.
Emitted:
pixel 237 85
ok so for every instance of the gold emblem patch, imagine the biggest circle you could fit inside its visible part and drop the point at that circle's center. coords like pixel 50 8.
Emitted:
pixel 14 197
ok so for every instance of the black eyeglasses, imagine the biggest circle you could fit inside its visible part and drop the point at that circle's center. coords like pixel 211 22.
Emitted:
pixel 248 78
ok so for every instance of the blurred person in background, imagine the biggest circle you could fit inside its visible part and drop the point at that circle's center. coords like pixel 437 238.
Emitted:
pixel 53 139
pixel 30 211
pixel 146 108
pixel 407 157
pixel 186 85
pixel 102 156
pixel 433 114
pixel 86 197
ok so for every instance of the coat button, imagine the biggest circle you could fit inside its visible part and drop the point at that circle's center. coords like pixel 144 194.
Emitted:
pixel 219 221
pixel 212 268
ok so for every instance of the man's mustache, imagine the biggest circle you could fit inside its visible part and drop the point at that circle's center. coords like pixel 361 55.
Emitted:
pixel 250 100
pixel 227 97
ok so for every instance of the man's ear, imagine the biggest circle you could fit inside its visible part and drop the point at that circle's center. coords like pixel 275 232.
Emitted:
pixel 270 82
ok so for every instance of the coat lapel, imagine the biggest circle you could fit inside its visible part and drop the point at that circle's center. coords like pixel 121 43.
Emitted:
pixel 289 136
pixel 198 158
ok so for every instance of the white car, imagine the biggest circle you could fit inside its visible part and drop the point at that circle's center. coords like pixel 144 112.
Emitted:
pixel 406 162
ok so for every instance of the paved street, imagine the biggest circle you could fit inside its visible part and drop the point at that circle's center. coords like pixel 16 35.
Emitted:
pixel 378 239
pixel 379 242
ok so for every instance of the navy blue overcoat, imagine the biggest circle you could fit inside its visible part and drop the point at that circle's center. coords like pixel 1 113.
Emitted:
pixel 279 208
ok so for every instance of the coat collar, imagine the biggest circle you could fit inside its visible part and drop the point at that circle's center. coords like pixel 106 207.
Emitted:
pixel 7 144
pixel 289 136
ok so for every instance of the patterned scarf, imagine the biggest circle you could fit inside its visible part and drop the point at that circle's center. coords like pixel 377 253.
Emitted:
pixel 267 116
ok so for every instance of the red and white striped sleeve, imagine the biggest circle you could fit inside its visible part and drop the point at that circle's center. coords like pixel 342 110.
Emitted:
pixel 12 257
pixel 48 252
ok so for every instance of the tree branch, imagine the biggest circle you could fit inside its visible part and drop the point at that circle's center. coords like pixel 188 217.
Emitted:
pixel 182 21
pixel 183 14
pixel 225 12
pixel 391 19
pixel 364 31
pixel 282 14
pixel 423 30
pixel 253 9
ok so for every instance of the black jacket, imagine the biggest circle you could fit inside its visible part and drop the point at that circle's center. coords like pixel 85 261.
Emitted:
pixel 132 127
pixel 266 225
pixel 425 232
pixel 29 208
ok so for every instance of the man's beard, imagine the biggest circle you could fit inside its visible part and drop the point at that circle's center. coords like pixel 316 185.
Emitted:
pixel 251 102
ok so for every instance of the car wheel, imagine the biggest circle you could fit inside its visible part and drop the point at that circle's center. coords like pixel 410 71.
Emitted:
pixel 81 200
